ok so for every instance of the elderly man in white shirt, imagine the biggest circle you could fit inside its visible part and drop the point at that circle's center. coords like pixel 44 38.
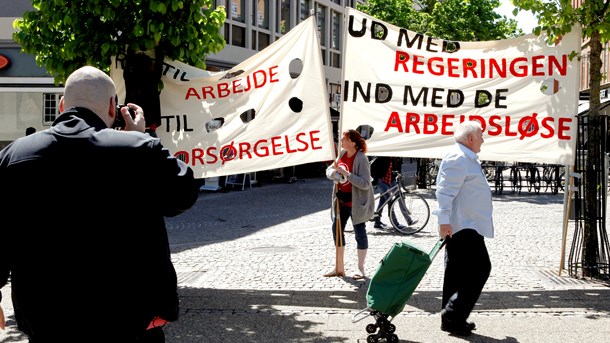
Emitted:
pixel 465 219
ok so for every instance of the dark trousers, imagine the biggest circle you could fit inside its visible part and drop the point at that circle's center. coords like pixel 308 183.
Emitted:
pixel 467 268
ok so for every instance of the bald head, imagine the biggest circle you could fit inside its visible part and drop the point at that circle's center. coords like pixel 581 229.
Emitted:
pixel 91 88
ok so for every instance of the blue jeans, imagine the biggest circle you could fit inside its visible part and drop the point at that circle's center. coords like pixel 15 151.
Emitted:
pixel 345 212
pixel 381 188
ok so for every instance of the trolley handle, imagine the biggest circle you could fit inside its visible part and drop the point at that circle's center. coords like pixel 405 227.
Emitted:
pixel 437 247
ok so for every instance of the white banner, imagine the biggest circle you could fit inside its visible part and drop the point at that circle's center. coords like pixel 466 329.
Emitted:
pixel 270 111
pixel 410 91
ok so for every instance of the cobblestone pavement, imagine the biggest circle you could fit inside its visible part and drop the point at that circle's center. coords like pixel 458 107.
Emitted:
pixel 250 267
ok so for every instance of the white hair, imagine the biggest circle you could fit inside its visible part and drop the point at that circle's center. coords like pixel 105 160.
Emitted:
pixel 465 129
pixel 91 88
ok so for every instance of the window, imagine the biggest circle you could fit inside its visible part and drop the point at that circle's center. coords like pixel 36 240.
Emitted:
pixel 335 59
pixel 335 44
pixel 304 9
pixel 237 10
pixel 234 27
pixel 263 40
pixel 238 37
pixel 322 31
pixel 260 13
pixel 260 34
pixel 285 23
pixel 335 95
pixel 336 31
pixel 260 40
pixel 51 107
pixel 321 18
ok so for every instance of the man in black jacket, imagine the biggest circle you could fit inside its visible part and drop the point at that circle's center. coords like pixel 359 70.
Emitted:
pixel 88 245
pixel 381 172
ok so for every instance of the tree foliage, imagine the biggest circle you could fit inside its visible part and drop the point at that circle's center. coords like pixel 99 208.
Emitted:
pixel 460 20
pixel 65 35
pixel 557 17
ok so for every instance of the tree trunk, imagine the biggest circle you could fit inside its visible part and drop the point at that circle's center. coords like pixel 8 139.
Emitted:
pixel 592 180
pixel 142 75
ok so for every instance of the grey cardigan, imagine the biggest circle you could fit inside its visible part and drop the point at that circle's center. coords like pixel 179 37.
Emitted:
pixel 363 202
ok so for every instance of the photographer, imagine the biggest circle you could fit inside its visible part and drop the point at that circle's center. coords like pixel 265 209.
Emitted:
pixel 89 246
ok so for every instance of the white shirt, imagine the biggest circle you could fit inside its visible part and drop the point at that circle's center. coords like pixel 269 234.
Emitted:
pixel 463 194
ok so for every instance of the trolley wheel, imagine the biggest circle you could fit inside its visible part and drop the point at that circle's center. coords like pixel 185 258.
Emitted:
pixel 393 339
pixel 409 213
pixel 391 328
pixel 371 328
pixel 372 339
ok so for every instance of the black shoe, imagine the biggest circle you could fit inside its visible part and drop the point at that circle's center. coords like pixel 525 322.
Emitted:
pixel 413 222
pixel 380 225
pixel 456 328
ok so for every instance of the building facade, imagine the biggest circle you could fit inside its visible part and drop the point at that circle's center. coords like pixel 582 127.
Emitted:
pixel 28 95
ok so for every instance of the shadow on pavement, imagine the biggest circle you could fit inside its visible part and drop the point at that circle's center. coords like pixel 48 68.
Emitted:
pixel 302 316
pixel 229 216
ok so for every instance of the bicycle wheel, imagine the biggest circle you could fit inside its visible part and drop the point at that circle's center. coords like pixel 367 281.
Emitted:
pixel 499 181
pixel 409 213
pixel 515 177
pixel 532 175
pixel 561 180
pixel 547 178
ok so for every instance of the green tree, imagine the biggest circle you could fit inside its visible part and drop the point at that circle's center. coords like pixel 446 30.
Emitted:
pixel 67 34
pixel 460 20
pixel 556 18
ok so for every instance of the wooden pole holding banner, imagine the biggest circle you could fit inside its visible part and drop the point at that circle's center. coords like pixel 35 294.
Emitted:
pixel 339 240
pixel 567 220
pixel 339 250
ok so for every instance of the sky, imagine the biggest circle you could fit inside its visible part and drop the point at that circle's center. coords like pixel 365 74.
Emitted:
pixel 526 19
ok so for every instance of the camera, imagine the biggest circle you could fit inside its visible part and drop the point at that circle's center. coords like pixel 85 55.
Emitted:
pixel 119 122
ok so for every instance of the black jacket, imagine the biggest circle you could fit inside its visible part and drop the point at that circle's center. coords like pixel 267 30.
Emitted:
pixel 379 168
pixel 88 245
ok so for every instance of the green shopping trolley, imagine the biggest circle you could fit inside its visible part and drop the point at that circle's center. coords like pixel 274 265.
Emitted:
pixel 391 286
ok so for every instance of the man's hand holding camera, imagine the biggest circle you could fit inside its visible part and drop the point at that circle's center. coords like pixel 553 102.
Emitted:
pixel 130 117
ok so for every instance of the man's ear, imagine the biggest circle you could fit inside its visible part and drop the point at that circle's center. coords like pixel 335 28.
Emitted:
pixel 111 111
pixel 61 104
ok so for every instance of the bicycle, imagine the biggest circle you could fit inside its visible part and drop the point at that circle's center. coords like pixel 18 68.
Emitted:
pixel 408 212
pixel 553 177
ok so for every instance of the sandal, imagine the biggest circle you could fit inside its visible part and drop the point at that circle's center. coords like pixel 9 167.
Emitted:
pixel 358 277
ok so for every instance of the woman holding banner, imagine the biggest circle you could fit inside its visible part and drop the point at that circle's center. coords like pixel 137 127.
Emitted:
pixel 352 198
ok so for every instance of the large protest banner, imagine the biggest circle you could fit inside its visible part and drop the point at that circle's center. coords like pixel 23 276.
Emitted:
pixel 270 111
pixel 411 91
